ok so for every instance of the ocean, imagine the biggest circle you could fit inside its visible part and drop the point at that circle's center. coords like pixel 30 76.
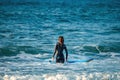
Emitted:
pixel 30 30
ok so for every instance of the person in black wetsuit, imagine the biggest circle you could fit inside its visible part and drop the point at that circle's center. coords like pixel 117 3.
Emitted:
pixel 60 46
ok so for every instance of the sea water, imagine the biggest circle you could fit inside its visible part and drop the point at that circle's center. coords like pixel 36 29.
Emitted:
pixel 30 30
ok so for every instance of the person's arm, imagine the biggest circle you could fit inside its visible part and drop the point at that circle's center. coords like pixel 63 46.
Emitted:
pixel 66 53
pixel 54 51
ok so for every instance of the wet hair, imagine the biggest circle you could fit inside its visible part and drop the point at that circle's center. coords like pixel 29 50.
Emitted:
pixel 61 38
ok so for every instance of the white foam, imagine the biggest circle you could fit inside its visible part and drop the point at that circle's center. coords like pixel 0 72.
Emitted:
pixel 55 77
pixel 28 56
pixel 6 77
pixel 62 76
pixel 24 55
pixel 24 77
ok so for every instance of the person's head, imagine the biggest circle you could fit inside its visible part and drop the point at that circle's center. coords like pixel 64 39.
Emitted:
pixel 61 39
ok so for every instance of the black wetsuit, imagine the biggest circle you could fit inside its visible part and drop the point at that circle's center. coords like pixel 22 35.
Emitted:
pixel 59 53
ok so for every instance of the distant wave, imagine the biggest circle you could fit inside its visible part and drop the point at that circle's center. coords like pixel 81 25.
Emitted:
pixel 86 49
pixel 72 2
pixel 13 51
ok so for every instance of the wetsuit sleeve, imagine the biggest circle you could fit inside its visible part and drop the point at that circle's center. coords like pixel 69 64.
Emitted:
pixel 55 50
pixel 66 52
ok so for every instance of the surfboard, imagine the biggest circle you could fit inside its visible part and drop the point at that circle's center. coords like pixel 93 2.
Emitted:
pixel 75 61
pixel 79 61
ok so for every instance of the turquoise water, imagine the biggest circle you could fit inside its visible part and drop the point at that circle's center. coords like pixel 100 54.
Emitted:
pixel 29 32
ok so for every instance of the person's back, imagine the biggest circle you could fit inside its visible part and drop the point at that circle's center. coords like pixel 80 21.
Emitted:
pixel 60 46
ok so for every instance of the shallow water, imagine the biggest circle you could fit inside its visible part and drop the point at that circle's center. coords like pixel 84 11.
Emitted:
pixel 29 32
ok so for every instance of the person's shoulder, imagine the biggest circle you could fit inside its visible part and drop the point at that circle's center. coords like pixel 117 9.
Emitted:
pixel 57 43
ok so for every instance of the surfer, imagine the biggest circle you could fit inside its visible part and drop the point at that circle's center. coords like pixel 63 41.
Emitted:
pixel 60 46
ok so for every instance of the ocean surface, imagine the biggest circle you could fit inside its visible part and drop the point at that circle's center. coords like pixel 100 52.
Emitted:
pixel 30 30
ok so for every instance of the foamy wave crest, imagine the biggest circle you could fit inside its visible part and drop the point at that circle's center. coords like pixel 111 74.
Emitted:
pixel 59 76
